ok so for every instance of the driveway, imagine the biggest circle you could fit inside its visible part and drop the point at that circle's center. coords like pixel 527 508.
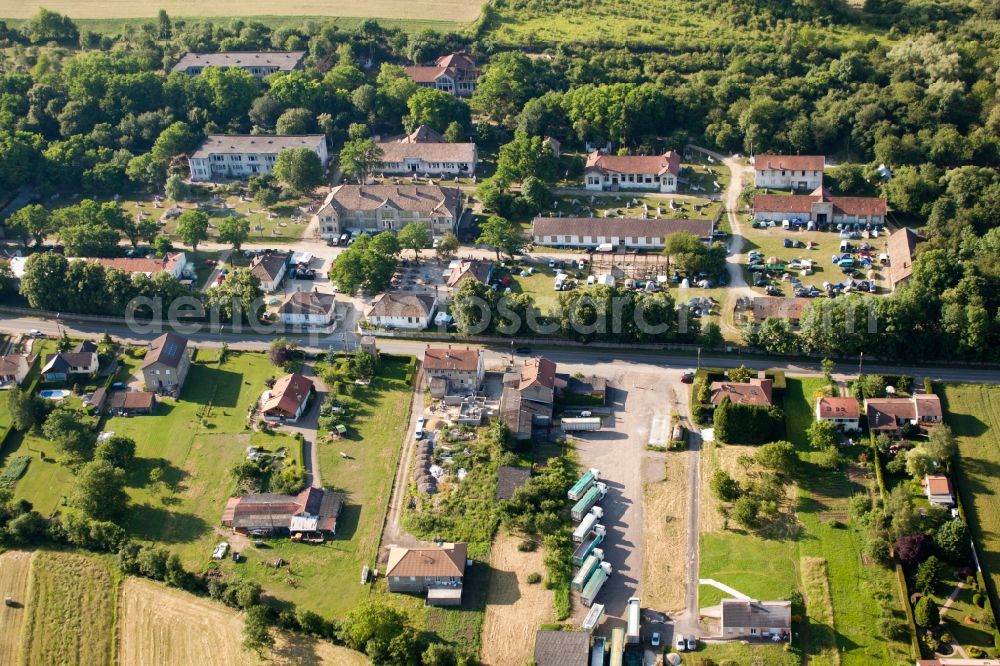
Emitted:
pixel 308 427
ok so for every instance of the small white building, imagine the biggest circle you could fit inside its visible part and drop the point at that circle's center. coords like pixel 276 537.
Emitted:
pixel 787 172
pixel 655 173
pixel 223 156
pixel 308 309
pixel 404 311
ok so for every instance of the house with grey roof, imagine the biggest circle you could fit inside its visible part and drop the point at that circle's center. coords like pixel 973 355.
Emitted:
pixel 166 364
pixel 377 208
pixel 748 619
pixel 308 308
pixel 425 152
pixel 395 309
pixel 222 156
pixel 257 63
pixel 621 232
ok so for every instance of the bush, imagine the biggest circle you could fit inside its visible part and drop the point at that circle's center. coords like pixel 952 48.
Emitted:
pixel 534 578
pixel 527 546
pixel 975 652
pixel 979 599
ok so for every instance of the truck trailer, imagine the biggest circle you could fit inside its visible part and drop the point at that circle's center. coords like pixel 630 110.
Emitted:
pixel 588 522
pixel 580 488
pixel 589 544
pixel 632 617
pixel 595 583
pixel 580 423
pixel 593 618
pixel 592 497
pixel 617 646
pixel 592 562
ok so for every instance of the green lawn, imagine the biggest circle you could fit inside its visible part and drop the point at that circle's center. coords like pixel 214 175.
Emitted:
pixel 973 412
pixel 744 653
pixel 822 513
pixel 759 568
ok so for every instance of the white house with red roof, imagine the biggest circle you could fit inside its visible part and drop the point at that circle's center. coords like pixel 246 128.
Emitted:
pixel 287 399
pixel 655 173
pixel 843 412
pixel 788 172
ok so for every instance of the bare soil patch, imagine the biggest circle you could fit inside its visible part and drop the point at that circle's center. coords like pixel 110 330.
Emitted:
pixel 665 528
pixel 514 608
pixel 15 567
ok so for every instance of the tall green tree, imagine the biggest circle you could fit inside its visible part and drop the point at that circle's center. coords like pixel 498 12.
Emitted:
pixel 415 236
pixel 33 221
pixel 360 158
pixel 100 491
pixel 235 231
pixel 299 168
pixel 502 235
pixel 192 227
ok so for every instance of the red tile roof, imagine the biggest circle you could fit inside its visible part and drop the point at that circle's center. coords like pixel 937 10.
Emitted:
pixel 802 204
pixel 658 164
pixel 900 247
pixel 789 162
pixel 288 394
pixel 448 560
pixel 147 265
pixel 461 360
pixel 937 485
pixel 838 408
pixel 538 370
pixel 754 392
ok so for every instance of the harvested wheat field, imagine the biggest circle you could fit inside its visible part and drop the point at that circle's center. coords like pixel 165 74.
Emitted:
pixel 71 616
pixel 514 608
pixel 164 626
pixel 665 526
pixel 15 566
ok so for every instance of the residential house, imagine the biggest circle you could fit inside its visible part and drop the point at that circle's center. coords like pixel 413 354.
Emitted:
pixel 439 572
pixel 561 648
pixel 450 371
pixel 270 269
pixel 166 364
pixel 787 308
pixel 425 152
pixel 788 172
pixel 480 270
pixel 899 255
pixel 258 63
pixel 625 233
pixel 820 208
pixel 538 381
pixel 938 490
pixel 842 412
pixel 758 392
pixel 130 403
pixel 889 415
pixel 312 511
pixel 377 208
pixel 242 155
pixel 287 399
pixel 748 619
pixel 308 308
pixel 455 73
pixel 62 366
pixel 13 369
pixel 509 479
pixel 656 173
pixel 173 263
pixel 398 310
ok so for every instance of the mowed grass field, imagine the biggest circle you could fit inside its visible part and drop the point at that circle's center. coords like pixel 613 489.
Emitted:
pixel 161 626
pixel 15 566
pixel 442 10
pixel 973 412
pixel 70 616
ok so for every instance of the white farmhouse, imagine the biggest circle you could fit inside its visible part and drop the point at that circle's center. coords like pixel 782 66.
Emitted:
pixel 788 172
pixel 398 310
pixel 309 309
pixel 656 173
pixel 425 152
pixel 241 155
pixel 630 233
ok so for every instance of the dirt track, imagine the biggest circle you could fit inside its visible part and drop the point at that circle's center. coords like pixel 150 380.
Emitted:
pixel 15 567
pixel 514 609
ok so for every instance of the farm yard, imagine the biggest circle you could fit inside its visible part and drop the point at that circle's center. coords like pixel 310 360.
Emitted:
pixel 70 611
pixel 456 11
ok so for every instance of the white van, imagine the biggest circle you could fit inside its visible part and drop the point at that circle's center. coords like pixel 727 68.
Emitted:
pixel 419 432
pixel 786 224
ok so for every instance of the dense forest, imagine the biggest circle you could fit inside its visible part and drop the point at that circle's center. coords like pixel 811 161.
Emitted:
pixel 912 85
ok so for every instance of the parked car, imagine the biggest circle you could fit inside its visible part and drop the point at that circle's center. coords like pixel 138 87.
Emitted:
pixel 692 643
pixel 687 378
pixel 655 640
pixel 523 351
pixel 418 433
pixel 35 333
pixel 680 644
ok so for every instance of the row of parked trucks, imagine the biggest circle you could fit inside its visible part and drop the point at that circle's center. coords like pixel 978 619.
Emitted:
pixel 589 535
